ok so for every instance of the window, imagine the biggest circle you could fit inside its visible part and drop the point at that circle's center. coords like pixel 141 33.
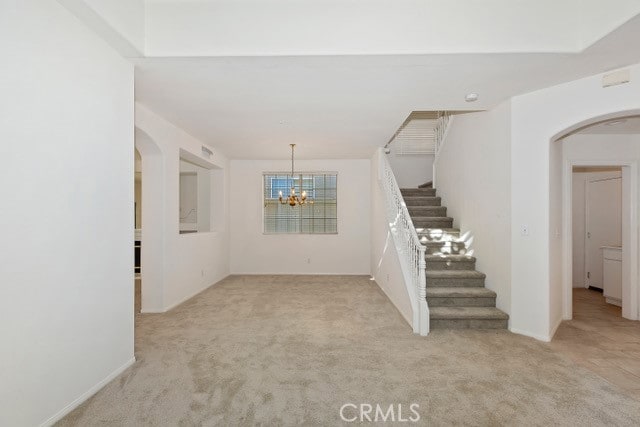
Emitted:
pixel 319 217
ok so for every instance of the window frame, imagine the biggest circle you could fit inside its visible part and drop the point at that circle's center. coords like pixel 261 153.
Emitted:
pixel 302 174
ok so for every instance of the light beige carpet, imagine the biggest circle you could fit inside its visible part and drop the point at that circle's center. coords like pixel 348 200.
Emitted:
pixel 291 350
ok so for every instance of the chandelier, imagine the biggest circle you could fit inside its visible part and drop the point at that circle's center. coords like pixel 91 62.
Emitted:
pixel 293 199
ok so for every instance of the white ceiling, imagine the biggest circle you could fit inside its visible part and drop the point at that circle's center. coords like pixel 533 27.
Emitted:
pixel 374 27
pixel 338 77
pixel 345 106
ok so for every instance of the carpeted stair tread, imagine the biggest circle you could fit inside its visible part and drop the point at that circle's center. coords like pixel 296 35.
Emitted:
pixel 455 274
pixel 460 292
pixel 418 192
pixel 432 222
pixel 455 278
pixel 452 246
pixel 449 257
pixel 439 211
pixel 429 230
pixel 416 218
pixel 456 313
pixel 422 201
pixel 436 233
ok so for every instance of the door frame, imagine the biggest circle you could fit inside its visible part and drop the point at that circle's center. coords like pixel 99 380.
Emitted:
pixel 630 282
pixel 585 272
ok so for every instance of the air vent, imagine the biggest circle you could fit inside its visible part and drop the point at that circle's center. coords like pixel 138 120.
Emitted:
pixel 417 135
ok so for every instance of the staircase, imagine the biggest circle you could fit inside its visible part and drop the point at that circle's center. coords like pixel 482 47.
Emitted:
pixel 456 294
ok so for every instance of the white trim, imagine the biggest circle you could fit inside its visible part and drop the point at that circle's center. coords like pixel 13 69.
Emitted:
pixel 86 395
pixel 188 297
pixel 555 328
pixel 545 338
pixel 587 198
pixel 629 240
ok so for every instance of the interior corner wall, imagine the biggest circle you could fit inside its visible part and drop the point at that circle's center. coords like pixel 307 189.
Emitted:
pixel 473 180
pixel 125 16
pixel 385 262
pixel 192 262
pixel 66 179
pixel 253 252
pixel 410 171
pixel 537 118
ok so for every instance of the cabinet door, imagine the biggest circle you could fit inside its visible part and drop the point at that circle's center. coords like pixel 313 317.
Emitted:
pixel 612 278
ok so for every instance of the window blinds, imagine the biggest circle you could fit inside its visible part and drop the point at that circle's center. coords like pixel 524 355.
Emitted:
pixel 319 217
pixel 417 135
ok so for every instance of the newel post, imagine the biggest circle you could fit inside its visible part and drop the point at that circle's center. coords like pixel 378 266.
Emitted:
pixel 422 291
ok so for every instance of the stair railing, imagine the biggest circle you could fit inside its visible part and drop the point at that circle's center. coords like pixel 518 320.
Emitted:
pixel 440 129
pixel 411 251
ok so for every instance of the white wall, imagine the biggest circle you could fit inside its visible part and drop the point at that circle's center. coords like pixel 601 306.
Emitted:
pixel 385 263
pixel 410 171
pixel 473 180
pixel 211 28
pixel 66 179
pixel 537 118
pixel 121 23
pixel 189 262
pixel 579 180
pixel 125 16
pixel 347 252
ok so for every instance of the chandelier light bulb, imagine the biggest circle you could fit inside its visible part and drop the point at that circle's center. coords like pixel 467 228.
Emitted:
pixel 294 200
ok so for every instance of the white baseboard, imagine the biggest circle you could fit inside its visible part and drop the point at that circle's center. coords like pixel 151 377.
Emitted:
pixel 188 297
pixel 544 338
pixel 555 328
pixel 84 396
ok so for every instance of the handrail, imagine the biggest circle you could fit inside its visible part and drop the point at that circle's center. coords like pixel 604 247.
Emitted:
pixel 441 129
pixel 411 251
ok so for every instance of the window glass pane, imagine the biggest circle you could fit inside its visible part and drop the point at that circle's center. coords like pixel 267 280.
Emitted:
pixel 318 215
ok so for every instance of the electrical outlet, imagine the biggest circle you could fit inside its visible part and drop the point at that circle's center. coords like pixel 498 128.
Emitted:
pixel 308 260
pixel 524 230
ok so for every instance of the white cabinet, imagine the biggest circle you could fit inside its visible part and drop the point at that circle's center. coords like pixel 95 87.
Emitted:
pixel 612 269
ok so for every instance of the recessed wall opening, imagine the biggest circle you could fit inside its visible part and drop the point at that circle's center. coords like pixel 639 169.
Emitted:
pixel 196 185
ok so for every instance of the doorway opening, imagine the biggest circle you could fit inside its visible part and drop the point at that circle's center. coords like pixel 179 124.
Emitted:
pixel 137 241
pixel 599 212
pixel 596 241
pixel 149 235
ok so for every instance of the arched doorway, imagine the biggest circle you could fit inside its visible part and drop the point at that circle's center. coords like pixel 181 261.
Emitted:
pixel 151 223
pixel 562 163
